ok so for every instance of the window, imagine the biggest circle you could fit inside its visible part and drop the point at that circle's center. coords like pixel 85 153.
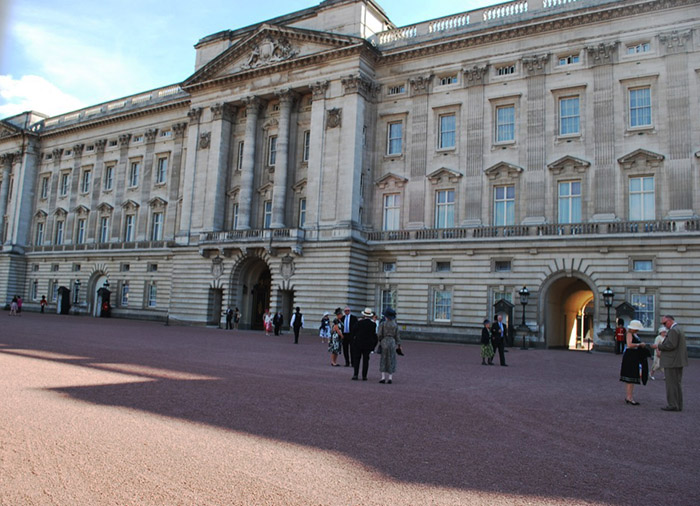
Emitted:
pixel 447 131
pixel 397 90
pixel 161 169
pixel 640 107
pixel 85 182
pixel 389 266
pixel 445 209
pixel 267 213
pixel 448 80
pixel 643 47
pixel 272 151
pixel 388 299
pixel 124 297
pixel 166 133
pixel 157 227
pixel 109 177
pixel 129 227
pixel 442 305
pixel 124 267
pixel 54 267
pixel 134 169
pixel 302 213
pixel 80 231
pixel 570 202
pixel 152 294
pixel 54 290
pixel 392 206
pixel 76 292
pixel 443 266
pixel 89 148
pixel 642 199
pixel 307 144
pixel 505 123
pixel 643 265
pixel 502 266
pixel 39 236
pixel 35 290
pixel 44 187
pixel 76 267
pixel 505 70
pixel 239 160
pixel 151 267
pixel 501 295
pixel 35 268
pixel 104 229
pixel 504 205
pixel 569 116
pixel 65 183
pixel 568 60
pixel 112 143
pixel 235 217
pixel 59 232
pixel 394 138
pixel 643 308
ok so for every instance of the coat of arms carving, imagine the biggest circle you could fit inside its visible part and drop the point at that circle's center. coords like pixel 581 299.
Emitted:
pixel 269 51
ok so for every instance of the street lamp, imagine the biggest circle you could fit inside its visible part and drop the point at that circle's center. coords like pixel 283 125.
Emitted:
pixel 106 284
pixel 608 296
pixel 524 295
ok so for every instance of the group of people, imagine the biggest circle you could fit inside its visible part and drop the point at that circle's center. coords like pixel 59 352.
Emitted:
pixel 232 318
pixel 670 354
pixel 493 337
pixel 16 306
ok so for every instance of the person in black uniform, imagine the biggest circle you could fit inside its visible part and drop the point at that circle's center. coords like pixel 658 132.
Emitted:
pixel 499 330
pixel 297 324
pixel 348 324
pixel 364 341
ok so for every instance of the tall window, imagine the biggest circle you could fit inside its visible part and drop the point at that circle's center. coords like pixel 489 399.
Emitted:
pixel 442 305
pixel 388 299
pixel 125 294
pixel 152 294
pixel 570 202
pixel 272 151
pixel 392 206
pixel 641 197
pixel 267 213
pixel 80 231
pixel 643 308
pixel 76 292
pixel 109 177
pixel 44 187
pixel 235 217
pixel 54 290
pixel 394 138
pixel 640 107
pixel 307 146
pixel 65 183
pixel 134 170
pixel 129 228
pixel 59 232
pixel 39 236
pixel 161 169
pixel 157 227
pixel 85 182
pixel 445 209
pixel 447 131
pixel 504 205
pixel 302 213
pixel 505 123
pixel 239 160
pixel 35 290
pixel 569 116
pixel 104 229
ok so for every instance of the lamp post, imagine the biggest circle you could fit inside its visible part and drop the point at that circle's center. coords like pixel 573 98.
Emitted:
pixel 608 296
pixel 524 295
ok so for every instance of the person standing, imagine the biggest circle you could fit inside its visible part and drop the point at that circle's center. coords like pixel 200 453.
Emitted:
pixel 363 342
pixel 13 306
pixel 486 347
pixel 620 336
pixel 656 364
pixel 277 322
pixel 267 322
pixel 632 358
pixel 674 357
pixel 297 323
pixel 43 303
pixel 236 318
pixel 335 347
pixel 324 331
pixel 349 327
pixel 389 342
pixel 19 305
pixel 229 318
pixel 498 335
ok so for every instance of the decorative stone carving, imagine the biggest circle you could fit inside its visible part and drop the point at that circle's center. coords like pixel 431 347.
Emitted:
pixel 642 159
pixel 270 50
pixel 222 111
pixel 270 124
pixel 421 84
pixel 151 134
pixel 57 153
pixel 535 64
pixel 675 41
pixel 204 140
pixel 100 145
pixel 569 164
pixel 444 175
pixel 318 90
pixel 503 170
pixel 390 180
pixel 360 84
pixel 300 187
pixel 602 54
pixel 179 129
pixel 333 117
pixel 157 203
pixel 194 114
pixel 124 139
pixel 7 159
pixel 78 149
pixel 476 75
pixel 217 267
pixel 252 103
pixel 287 267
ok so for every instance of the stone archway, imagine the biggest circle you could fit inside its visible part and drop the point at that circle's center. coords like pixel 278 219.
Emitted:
pixel 568 311
pixel 251 283
pixel 97 284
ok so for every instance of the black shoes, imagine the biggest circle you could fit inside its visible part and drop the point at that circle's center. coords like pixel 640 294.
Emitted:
pixel 382 381
pixel 389 382
pixel 354 378
pixel 669 408
pixel 633 403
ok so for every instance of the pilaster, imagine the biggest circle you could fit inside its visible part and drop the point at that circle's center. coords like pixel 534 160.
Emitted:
pixel 475 78
pixel 75 191
pixel 146 184
pixel 535 67
pixel 217 168
pixel 279 192
pixel 245 199
pixel 418 156
pixel 316 148
pixel 96 188
pixel 120 184
pixel 190 172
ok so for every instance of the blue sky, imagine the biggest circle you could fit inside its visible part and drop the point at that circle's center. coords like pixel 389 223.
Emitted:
pixel 61 55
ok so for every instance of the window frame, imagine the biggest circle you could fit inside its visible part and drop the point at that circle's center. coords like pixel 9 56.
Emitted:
pixel 306 146
pixel 129 227
pixel 642 193
pixel 505 200
pixel 571 199
pixel 103 230
pixel 446 207
pixel 108 184
pixel 647 322
pixel 391 141
pixel 86 181
pixel 80 229
pixel 441 145
pixel 391 211
pixel 446 293
pixel 161 176
pixel 271 150
pixel 133 174
pixel 157 221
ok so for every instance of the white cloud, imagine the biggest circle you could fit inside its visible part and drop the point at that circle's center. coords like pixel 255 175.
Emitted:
pixel 34 93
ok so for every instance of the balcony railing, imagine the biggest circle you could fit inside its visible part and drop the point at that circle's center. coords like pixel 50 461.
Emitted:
pixel 547 230
pixel 252 235
pixel 100 246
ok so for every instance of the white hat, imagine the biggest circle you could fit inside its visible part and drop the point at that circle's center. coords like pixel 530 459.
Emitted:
pixel 662 329
pixel 635 325
pixel 326 313
pixel 367 312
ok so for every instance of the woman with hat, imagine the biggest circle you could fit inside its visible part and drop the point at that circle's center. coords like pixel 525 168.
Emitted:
pixel 324 331
pixel 656 364
pixel 335 347
pixel 363 343
pixel 486 346
pixel 390 343
pixel 631 360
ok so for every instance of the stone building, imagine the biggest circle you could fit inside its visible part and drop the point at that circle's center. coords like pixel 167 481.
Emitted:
pixel 328 157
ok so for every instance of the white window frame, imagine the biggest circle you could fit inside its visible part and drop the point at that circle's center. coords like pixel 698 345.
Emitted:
pixel 109 177
pixel 508 204
pixel 86 181
pixel 234 220
pixel 642 311
pixel 444 133
pixel 267 213
pixel 566 116
pixel 639 48
pixel 39 233
pixel 103 230
pixel 302 212
pixel 157 226
pixel 634 111
pixel 445 209
pixel 272 150
pixel 124 295
pixel 239 160
pixel 642 212
pixel 391 211
pixel 569 59
pixel 152 293
pixel 64 185
pixel 570 201
pixel 306 146
pixel 441 309
pixel 133 176
pixel 501 125
pixel 59 232
pixel 129 227
pixel 387 298
pixel 162 169
pixel 44 187
pixel 394 139
pixel 80 228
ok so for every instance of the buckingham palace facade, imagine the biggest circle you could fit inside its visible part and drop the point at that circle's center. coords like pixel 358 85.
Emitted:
pixel 327 158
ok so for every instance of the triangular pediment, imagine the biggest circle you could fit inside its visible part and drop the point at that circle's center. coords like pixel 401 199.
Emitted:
pixel 81 210
pixel 130 205
pixel 265 189
pixel 299 186
pixel 444 175
pixel 270 46
pixel 390 180
pixel 503 170
pixel 40 214
pixel 7 129
pixel 641 157
pixel 157 203
pixel 568 163
pixel 60 212
pixel 104 207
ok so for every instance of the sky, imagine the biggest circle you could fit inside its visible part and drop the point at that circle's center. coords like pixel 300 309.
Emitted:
pixel 57 56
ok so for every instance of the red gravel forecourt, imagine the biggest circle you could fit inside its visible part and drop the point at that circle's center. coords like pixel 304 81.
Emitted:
pixel 128 413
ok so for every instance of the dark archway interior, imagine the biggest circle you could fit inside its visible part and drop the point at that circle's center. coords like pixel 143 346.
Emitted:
pixel 565 301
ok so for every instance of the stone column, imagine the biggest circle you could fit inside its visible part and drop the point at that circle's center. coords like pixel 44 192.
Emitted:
pixel 189 176
pixel 146 184
pixel 75 191
pixel 279 192
pixel 56 154
pixel 416 189
pixel 245 196
pixel 6 160
pixel 314 176
pixel 218 166
pixel 96 189
pixel 171 222
pixel 474 78
pixel 120 185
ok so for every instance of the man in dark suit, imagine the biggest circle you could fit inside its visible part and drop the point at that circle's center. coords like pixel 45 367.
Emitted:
pixel 364 342
pixel 499 331
pixel 349 325
pixel 674 357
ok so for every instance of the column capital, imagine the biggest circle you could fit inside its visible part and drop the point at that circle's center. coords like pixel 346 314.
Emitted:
pixel 318 90
pixel 361 84
pixel 252 103
pixel 124 139
pixel 7 159
pixel 475 75
pixel 286 96
pixel 78 149
pixel 603 53
pixel 151 135
pixel 57 153
pixel 421 84
pixel 535 64
pixel 676 41
pixel 194 114
pixel 179 128
pixel 100 145
pixel 223 111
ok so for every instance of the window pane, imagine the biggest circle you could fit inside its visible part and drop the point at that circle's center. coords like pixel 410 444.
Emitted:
pixel 505 123
pixel 447 131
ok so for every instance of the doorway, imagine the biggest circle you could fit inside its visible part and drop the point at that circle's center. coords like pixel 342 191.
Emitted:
pixel 568 314
pixel 250 291
pixel 214 306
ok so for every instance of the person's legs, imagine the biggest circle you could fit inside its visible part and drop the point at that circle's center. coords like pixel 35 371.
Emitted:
pixel 355 357
pixel 346 351
pixel 365 363
pixel 674 395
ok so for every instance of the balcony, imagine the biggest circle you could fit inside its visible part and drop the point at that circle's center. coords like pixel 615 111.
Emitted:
pixel 252 235
pixel 101 246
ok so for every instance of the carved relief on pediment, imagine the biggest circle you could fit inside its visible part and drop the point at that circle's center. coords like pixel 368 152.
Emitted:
pixel 270 50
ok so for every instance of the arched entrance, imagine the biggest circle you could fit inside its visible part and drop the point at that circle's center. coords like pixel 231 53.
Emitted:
pixel 251 283
pixel 98 290
pixel 569 313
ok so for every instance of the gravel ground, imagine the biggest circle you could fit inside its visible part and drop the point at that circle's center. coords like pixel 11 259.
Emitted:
pixel 117 412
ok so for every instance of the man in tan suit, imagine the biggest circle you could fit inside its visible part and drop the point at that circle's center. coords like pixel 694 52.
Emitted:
pixel 674 357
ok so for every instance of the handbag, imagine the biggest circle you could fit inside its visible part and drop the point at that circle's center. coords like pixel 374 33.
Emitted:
pixel 399 351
